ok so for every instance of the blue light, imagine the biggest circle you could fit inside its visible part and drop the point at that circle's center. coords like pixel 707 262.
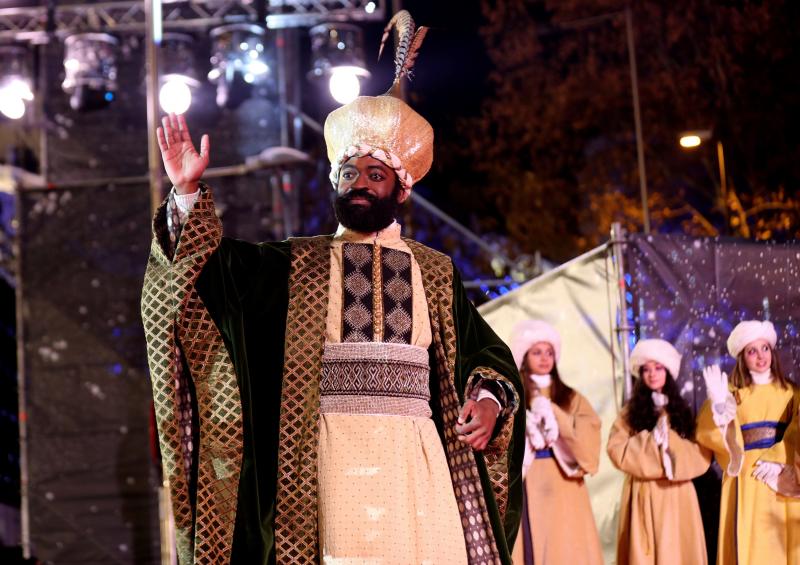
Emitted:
pixel 109 96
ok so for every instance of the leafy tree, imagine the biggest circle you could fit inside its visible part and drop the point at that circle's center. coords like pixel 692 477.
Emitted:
pixel 554 147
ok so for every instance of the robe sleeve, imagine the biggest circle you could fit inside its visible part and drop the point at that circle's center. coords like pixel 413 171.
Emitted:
pixel 485 362
pixel 689 459
pixel 234 266
pixel 726 443
pixel 577 449
pixel 635 454
pixel 797 444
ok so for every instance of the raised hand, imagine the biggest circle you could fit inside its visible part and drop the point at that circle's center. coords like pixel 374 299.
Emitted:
pixel 723 405
pixel 716 384
pixel 184 165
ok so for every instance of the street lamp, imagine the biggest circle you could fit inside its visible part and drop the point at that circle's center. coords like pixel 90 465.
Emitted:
pixel 694 138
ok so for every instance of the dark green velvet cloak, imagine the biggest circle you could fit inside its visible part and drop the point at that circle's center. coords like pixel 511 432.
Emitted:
pixel 246 290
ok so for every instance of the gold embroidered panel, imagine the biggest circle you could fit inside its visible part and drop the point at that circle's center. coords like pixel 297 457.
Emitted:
pixel 296 499
pixel 437 274
pixel 158 317
pixel 170 306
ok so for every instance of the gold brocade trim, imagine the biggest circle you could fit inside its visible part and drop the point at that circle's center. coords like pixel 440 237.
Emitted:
pixel 386 405
pixel 496 453
pixel 296 498
pixel 377 294
pixel 437 276
pixel 170 306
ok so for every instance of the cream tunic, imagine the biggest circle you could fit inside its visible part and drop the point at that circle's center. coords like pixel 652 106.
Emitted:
pixel 385 493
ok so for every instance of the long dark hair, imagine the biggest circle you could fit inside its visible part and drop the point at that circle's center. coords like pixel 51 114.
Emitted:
pixel 560 393
pixel 641 414
pixel 741 378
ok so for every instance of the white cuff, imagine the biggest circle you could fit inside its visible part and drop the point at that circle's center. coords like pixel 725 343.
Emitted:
pixel 483 393
pixel 185 202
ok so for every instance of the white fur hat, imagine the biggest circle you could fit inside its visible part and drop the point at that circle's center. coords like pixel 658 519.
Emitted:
pixel 655 350
pixel 749 331
pixel 529 332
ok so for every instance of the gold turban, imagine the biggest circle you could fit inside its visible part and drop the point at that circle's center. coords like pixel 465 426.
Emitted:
pixel 385 127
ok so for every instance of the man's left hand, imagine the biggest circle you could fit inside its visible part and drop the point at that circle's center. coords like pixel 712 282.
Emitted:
pixel 476 422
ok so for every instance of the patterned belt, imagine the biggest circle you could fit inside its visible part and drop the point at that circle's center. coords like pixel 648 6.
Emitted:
pixel 375 378
pixel 544 453
pixel 761 435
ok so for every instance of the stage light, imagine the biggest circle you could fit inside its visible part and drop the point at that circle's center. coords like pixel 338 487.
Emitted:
pixel 344 84
pixel 370 7
pixel 337 52
pixel 175 95
pixel 240 61
pixel 11 106
pixel 90 67
pixel 178 78
pixel 15 81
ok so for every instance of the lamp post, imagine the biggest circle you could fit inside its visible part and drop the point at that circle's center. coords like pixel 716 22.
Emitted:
pixel 695 138
pixel 634 79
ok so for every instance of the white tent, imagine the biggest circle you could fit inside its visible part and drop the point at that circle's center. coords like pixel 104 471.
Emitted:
pixel 582 300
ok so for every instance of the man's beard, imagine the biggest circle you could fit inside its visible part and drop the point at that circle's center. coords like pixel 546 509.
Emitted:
pixel 366 218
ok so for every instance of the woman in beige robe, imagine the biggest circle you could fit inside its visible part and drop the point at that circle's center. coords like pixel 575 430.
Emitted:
pixel 651 442
pixel 562 446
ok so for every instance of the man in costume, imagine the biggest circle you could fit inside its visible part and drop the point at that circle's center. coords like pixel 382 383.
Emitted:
pixel 329 399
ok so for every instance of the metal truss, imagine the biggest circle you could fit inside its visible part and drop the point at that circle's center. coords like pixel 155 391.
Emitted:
pixel 28 23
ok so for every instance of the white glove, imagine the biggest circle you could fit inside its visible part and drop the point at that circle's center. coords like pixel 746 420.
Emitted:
pixel 543 408
pixel 723 405
pixel 541 405
pixel 767 471
pixel 659 400
pixel 661 433
pixel 716 384
pixel 532 425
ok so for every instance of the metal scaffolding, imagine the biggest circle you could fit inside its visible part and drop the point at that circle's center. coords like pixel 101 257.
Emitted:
pixel 34 23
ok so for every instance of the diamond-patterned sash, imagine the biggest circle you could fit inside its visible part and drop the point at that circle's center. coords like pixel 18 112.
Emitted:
pixel 375 378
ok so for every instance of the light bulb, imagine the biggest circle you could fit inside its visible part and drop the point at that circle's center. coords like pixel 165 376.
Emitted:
pixel 175 96
pixel 344 85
